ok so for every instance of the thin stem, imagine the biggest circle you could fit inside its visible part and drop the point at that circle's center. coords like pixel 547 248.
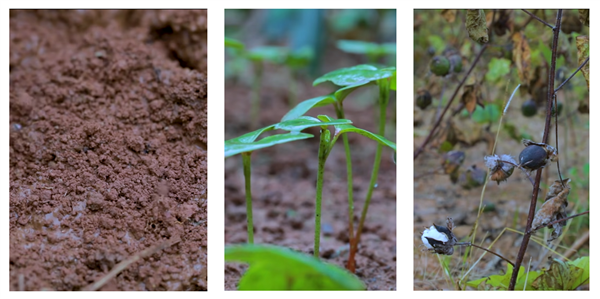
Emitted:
pixel 573 74
pixel 249 223
pixel 485 249
pixel 537 18
pixel 556 133
pixel 384 94
pixel 339 110
pixel 439 120
pixel 323 145
pixel 521 168
pixel 557 221
pixel 538 176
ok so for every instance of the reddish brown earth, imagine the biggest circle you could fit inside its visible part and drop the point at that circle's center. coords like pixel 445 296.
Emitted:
pixel 108 133
pixel 284 180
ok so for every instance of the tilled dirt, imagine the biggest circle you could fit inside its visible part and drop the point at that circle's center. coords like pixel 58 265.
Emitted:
pixel 108 133
pixel 284 180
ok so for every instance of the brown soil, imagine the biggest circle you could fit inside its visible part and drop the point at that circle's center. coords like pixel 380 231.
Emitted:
pixel 284 180
pixel 108 149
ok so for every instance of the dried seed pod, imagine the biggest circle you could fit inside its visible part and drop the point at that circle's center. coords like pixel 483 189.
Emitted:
pixel 501 167
pixel 440 239
pixel 440 66
pixel 453 160
pixel 553 208
pixel 536 155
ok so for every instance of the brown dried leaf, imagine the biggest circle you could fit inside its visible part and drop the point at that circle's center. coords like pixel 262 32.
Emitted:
pixel 469 98
pixel 584 17
pixel 583 52
pixel 553 208
pixel 521 56
pixel 477 26
pixel 449 15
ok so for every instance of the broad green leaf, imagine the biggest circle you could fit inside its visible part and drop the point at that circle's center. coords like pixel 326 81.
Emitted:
pixel 250 137
pixel 359 74
pixel 369 48
pixel 304 106
pixel 343 92
pixel 234 148
pixel 497 68
pixel 583 263
pixel 278 268
pixel 233 43
pixel 268 53
pixel 303 122
pixel 501 282
pixel 491 113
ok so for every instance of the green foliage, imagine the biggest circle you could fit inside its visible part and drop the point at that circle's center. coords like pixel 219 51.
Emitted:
pixel 491 113
pixel 360 74
pixel 437 43
pixel 277 55
pixel 560 276
pixel 277 268
pixel 248 143
pixel 299 58
pixel 497 68
pixel 370 49
pixel 233 43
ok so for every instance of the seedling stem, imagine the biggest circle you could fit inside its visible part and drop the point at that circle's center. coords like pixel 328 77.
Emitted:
pixel 323 146
pixel 246 160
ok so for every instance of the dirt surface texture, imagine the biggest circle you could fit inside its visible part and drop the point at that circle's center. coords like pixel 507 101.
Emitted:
pixel 108 133
pixel 284 183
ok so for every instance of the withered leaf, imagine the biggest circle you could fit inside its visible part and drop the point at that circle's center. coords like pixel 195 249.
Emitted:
pixel 503 22
pixel 477 26
pixel 583 52
pixel 584 17
pixel 449 15
pixel 521 56
pixel 553 208
pixel 560 276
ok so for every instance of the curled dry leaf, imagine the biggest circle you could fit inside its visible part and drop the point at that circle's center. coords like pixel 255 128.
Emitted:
pixel 553 208
pixel 449 15
pixel 471 95
pixel 584 17
pixel 521 56
pixel 583 52
pixel 477 26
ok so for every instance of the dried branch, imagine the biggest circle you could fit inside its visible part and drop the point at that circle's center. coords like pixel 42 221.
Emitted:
pixel 537 18
pixel 573 74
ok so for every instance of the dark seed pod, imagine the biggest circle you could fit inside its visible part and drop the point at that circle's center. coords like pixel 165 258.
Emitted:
pixel 529 108
pixel 440 66
pixel 423 99
pixel 583 108
pixel 533 157
pixel 456 63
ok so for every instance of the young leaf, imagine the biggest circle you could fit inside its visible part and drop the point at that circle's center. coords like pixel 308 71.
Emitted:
pixel 234 148
pixel 250 137
pixel 341 129
pixel 368 48
pixel 304 106
pixel 233 43
pixel 359 74
pixel 303 122
pixel 501 282
pixel 278 268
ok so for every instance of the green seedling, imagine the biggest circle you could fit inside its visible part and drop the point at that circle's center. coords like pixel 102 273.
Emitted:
pixel 247 143
pixel 278 268
pixel 350 79
pixel 373 51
